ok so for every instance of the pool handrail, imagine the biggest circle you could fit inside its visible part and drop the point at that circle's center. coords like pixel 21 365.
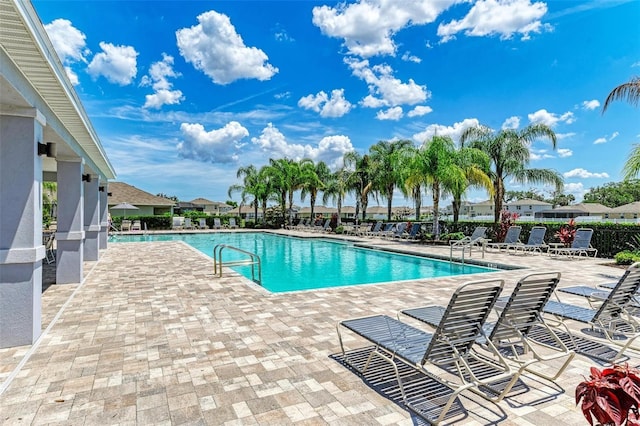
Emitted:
pixel 253 260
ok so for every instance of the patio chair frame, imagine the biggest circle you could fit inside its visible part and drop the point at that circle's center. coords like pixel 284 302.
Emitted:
pixel 609 315
pixel 518 315
pixel 449 345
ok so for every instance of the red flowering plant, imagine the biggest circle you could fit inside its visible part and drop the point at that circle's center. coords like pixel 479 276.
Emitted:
pixel 507 219
pixel 611 396
pixel 567 233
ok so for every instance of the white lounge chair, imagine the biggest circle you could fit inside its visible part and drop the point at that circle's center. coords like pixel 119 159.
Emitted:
pixel 177 223
pixel 187 223
pixel 202 224
pixel 232 223
pixel 216 223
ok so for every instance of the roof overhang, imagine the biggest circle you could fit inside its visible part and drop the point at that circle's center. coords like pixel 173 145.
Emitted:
pixel 33 82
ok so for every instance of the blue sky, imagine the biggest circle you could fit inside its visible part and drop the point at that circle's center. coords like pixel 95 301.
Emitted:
pixel 182 93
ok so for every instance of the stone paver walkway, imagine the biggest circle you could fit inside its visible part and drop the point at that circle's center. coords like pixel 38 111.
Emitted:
pixel 152 337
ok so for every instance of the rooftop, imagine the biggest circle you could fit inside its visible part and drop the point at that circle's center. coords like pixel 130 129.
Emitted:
pixel 152 336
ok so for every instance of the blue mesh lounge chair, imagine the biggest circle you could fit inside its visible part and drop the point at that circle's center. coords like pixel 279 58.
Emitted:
pixel 448 347
pixel 520 314
pixel 609 313
pixel 398 231
pixel 581 245
pixel 535 243
pixel 477 238
pixel 232 223
pixel 512 237
pixel 216 223
pixel 414 232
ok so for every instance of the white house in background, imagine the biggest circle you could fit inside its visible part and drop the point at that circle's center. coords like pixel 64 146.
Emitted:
pixel 527 206
pixel 212 207
pixel 627 211
pixel 576 210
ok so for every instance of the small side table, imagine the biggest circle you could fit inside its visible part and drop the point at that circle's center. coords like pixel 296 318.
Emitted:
pixel 553 248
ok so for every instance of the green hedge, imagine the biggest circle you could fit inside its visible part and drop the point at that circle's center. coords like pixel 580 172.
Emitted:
pixel 164 222
pixel 609 238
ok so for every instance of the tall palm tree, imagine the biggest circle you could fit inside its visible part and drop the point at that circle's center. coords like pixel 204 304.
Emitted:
pixel 360 180
pixel 283 173
pixel 336 187
pixel 386 159
pixel 411 177
pixel 314 180
pixel 435 163
pixel 629 91
pixel 249 187
pixel 475 164
pixel 509 152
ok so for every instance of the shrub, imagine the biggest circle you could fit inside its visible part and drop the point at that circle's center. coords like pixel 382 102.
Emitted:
pixel 507 219
pixel 627 257
pixel 610 396
pixel 339 229
pixel 452 236
pixel 567 233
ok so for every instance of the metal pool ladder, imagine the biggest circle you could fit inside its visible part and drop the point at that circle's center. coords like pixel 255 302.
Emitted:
pixel 253 260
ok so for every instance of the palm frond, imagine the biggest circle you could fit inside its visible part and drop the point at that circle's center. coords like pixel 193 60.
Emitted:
pixel 629 91
pixel 632 166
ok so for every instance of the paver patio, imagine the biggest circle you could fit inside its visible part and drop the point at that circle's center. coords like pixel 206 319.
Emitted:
pixel 152 337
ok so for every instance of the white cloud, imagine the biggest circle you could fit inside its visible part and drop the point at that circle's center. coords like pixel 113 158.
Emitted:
pixel 328 106
pixel 214 47
pixel 549 118
pixel 493 17
pixel 576 189
pixel 454 131
pixel 419 111
pixel 561 136
pixel 158 78
pixel 330 149
pixel 564 152
pixel 511 123
pixel 283 95
pixel 68 41
pixel 584 174
pixel 215 146
pixel 70 44
pixel 394 113
pixel 539 154
pixel 384 89
pixel 590 105
pixel 368 26
pixel 606 139
pixel 118 64
pixel 408 57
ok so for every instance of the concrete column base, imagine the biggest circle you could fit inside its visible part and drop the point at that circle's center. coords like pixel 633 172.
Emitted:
pixel 91 245
pixel 20 303
pixel 70 255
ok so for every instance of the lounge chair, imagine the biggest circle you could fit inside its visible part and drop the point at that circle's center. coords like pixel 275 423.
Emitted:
pixel 49 252
pixel 375 230
pixel 512 237
pixel 125 225
pixel 202 223
pixel 136 226
pixel 177 222
pixel 414 232
pixel 386 231
pixel 232 223
pixel 321 227
pixel 520 315
pixel 478 237
pixel 216 223
pixel 398 231
pixel 608 315
pixel 188 224
pixel 581 245
pixel 535 243
pixel 449 346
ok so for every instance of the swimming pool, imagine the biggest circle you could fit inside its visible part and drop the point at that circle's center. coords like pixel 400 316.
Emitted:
pixel 290 263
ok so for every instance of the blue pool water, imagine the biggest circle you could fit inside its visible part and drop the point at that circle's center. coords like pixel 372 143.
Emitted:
pixel 290 264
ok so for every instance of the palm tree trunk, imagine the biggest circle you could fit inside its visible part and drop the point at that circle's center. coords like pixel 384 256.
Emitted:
pixel 436 207
pixel 499 196
pixel 313 202
pixel 455 205
pixel 389 202
pixel 417 197
pixel 339 211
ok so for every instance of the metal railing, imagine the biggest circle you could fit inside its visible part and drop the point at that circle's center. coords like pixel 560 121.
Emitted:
pixel 253 260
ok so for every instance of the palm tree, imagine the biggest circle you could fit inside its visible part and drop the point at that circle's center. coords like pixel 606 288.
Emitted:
pixel 360 180
pixel 282 174
pixel 435 165
pixel 250 186
pixel 314 179
pixel 629 91
pixel 386 159
pixel 336 187
pixel 475 164
pixel 508 150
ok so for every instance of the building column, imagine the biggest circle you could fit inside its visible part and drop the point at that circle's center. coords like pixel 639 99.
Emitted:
pixel 103 195
pixel 70 235
pixel 91 219
pixel 21 249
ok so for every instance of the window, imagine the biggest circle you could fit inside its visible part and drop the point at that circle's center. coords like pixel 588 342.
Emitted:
pixel 518 207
